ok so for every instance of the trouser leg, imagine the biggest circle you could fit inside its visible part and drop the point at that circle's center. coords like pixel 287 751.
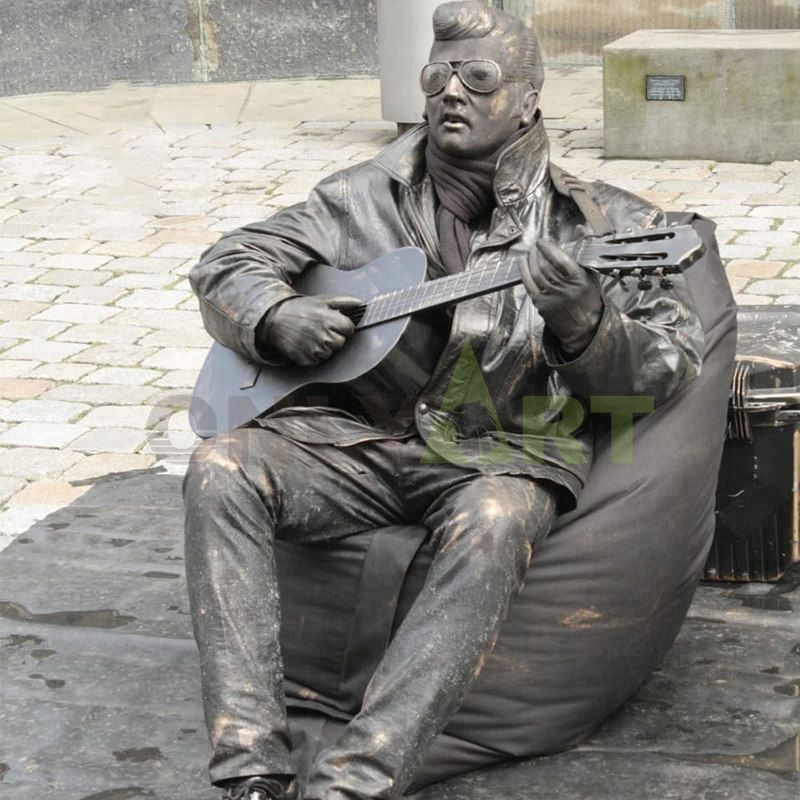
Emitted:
pixel 484 528
pixel 241 490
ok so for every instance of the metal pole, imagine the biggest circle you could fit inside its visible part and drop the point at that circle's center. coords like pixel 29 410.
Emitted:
pixel 405 37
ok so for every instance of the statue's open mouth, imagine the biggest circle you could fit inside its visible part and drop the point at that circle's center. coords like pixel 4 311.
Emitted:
pixel 454 121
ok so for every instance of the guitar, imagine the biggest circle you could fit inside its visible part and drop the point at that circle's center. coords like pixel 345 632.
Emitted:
pixel 231 390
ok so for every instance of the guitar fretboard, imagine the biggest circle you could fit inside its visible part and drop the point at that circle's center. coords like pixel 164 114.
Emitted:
pixel 439 292
pixel 654 250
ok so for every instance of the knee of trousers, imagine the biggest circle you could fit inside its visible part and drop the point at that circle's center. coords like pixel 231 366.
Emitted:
pixel 224 465
pixel 493 524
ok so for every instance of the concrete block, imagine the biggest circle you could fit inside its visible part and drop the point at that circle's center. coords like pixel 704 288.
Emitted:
pixel 101 464
pixel 73 261
pixel 37 350
pixel 782 286
pixel 140 280
pixel 777 212
pixel 48 493
pixel 99 394
pixel 92 295
pixel 152 298
pixel 42 434
pixel 741 99
pixel 11 310
pixel 8 244
pixel 178 379
pixel 31 329
pixel 17 368
pixel 768 238
pixel 106 333
pixel 31 292
pixel 114 355
pixel 177 358
pixel 178 321
pixel 742 251
pixel 9 486
pixel 786 253
pixel 756 269
pixel 110 440
pixel 124 376
pixel 35 463
pixel 74 277
pixel 753 300
pixel 136 417
pixel 61 372
pixel 22 388
pixel 42 411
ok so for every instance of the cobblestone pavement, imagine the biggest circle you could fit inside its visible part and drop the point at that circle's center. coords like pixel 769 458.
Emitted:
pixel 108 198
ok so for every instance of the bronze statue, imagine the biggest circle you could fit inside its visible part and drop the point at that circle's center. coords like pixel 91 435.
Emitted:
pixel 473 187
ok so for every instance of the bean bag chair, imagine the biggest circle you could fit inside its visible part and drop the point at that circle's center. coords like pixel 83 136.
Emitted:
pixel 604 599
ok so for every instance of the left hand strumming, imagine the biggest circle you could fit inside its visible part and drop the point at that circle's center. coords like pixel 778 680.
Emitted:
pixel 567 296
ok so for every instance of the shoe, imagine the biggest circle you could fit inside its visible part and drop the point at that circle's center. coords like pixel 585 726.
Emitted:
pixel 260 787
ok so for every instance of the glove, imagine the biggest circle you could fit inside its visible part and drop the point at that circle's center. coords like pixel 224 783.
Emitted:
pixel 567 296
pixel 307 330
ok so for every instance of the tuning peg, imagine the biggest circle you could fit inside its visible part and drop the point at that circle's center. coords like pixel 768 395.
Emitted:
pixel 619 278
pixel 645 282
pixel 666 283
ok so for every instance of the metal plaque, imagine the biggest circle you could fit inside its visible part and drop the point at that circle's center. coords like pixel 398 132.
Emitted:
pixel 666 87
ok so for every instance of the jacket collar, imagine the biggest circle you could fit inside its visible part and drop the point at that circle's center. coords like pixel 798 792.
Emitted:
pixel 521 167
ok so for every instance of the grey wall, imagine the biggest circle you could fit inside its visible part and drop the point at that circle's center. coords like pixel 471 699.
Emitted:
pixel 48 45
pixel 575 31
pixel 77 45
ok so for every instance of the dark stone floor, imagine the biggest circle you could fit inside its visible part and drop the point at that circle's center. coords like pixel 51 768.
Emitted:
pixel 100 695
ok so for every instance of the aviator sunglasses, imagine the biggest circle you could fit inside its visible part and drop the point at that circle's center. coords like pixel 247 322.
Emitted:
pixel 479 75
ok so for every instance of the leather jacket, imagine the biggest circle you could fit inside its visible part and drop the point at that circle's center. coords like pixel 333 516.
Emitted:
pixel 476 409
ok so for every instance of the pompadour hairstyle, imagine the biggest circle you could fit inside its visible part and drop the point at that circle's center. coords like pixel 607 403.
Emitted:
pixel 473 19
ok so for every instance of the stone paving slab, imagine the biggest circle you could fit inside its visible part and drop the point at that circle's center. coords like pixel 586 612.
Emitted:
pixel 102 690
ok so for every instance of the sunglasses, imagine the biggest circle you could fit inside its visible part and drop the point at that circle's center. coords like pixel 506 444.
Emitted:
pixel 478 75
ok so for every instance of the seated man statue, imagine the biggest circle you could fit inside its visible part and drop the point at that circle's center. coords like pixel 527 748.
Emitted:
pixel 472 187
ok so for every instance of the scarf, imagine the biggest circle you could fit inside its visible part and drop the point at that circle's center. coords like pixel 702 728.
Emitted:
pixel 465 189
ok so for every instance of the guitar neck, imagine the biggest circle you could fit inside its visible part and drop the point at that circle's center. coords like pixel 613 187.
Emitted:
pixel 651 251
pixel 439 292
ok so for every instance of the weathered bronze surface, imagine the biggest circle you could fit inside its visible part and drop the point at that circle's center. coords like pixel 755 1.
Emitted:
pixel 471 188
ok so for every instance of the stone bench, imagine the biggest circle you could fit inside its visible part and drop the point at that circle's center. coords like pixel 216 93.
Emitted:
pixel 718 95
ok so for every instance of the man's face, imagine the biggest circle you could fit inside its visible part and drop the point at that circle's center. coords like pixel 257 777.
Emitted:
pixel 467 124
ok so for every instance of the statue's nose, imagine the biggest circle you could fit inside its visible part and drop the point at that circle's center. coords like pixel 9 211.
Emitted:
pixel 454 87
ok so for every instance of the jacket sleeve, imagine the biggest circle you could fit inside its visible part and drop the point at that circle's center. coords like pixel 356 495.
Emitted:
pixel 648 343
pixel 249 270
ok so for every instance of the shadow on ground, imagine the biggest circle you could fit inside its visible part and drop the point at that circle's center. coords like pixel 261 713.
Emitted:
pixel 100 699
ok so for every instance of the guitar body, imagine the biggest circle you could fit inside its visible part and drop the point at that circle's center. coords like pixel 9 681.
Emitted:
pixel 231 390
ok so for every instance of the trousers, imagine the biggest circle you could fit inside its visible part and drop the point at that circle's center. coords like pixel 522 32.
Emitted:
pixel 245 489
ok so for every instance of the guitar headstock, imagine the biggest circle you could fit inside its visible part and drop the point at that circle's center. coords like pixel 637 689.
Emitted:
pixel 651 252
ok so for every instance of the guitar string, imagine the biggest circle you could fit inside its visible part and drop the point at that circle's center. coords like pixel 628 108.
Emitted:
pixel 403 301
pixel 461 285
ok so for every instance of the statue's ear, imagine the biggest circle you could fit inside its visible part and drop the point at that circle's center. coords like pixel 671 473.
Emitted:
pixel 530 102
